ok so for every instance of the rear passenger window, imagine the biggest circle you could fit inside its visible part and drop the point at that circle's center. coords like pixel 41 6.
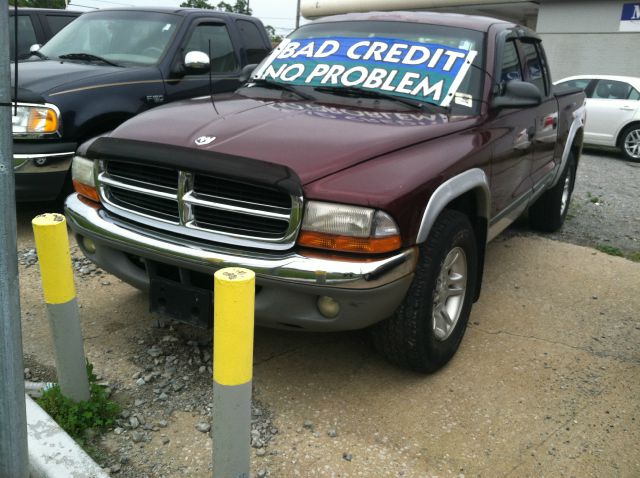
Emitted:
pixel 533 66
pixel 634 95
pixel 510 64
pixel 223 57
pixel 582 84
pixel 58 22
pixel 612 90
pixel 26 36
pixel 254 43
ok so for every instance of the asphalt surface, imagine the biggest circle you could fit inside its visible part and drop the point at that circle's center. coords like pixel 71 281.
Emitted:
pixel 546 382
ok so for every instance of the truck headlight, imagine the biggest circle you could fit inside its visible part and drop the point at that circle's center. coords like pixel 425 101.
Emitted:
pixel 345 228
pixel 83 177
pixel 35 120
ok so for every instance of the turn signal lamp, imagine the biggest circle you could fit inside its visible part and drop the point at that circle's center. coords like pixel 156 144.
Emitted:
pixel 42 120
pixel 83 177
pixel 345 228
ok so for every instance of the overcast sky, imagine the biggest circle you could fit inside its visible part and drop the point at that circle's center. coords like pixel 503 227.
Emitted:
pixel 280 14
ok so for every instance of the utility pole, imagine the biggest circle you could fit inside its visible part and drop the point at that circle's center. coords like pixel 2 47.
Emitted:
pixel 14 460
pixel 298 14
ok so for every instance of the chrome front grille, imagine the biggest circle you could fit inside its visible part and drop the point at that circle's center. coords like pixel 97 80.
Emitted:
pixel 201 205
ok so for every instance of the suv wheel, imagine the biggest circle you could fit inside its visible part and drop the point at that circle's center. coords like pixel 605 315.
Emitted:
pixel 426 330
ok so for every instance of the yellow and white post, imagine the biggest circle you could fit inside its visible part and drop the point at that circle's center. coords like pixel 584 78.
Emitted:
pixel 52 244
pixel 234 299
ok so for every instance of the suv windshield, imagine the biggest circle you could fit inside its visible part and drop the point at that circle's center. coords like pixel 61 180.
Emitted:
pixel 435 64
pixel 121 38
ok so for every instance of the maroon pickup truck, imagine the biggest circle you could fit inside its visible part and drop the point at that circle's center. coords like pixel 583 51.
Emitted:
pixel 360 173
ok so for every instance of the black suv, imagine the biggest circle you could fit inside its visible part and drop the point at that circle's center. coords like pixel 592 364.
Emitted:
pixel 109 65
pixel 36 26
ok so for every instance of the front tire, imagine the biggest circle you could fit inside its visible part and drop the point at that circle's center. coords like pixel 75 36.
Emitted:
pixel 426 330
pixel 549 211
pixel 630 143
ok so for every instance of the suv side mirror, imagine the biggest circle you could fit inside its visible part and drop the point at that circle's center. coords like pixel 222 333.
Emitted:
pixel 197 61
pixel 518 94
pixel 245 74
pixel 35 47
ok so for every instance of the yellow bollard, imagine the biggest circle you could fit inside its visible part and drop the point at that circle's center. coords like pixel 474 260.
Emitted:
pixel 52 244
pixel 234 299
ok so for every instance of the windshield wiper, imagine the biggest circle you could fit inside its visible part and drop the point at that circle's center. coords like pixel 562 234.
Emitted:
pixel 355 91
pixel 281 86
pixel 87 57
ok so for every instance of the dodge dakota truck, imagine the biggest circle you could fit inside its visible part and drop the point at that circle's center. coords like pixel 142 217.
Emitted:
pixel 360 172
pixel 109 65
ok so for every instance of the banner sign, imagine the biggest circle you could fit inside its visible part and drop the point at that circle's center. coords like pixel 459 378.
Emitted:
pixel 421 71
pixel 630 19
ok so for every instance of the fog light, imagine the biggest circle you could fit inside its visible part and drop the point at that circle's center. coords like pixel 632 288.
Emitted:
pixel 88 245
pixel 328 306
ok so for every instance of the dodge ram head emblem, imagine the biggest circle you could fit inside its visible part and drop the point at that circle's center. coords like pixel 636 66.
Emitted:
pixel 204 140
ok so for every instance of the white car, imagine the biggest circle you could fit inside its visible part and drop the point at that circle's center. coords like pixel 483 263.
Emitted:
pixel 613 111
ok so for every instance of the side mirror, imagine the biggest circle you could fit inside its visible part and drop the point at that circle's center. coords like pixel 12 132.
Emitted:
pixel 35 47
pixel 197 61
pixel 245 74
pixel 518 94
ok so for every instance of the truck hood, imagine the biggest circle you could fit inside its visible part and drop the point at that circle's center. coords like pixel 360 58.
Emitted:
pixel 314 140
pixel 42 77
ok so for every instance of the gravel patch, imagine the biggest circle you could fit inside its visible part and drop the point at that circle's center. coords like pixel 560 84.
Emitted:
pixel 604 212
pixel 168 385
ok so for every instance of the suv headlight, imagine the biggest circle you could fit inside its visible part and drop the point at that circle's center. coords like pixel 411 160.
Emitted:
pixel 83 178
pixel 35 120
pixel 345 228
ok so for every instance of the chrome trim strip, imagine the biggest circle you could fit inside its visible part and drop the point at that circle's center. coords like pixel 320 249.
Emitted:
pixel 105 179
pixel 505 218
pixel 287 266
pixel 41 155
pixel 542 185
pixel 185 183
pixel 189 198
pixel 579 116
pixel 29 166
pixel 451 189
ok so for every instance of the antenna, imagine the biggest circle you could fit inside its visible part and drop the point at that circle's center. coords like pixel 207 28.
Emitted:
pixel 15 59
pixel 213 103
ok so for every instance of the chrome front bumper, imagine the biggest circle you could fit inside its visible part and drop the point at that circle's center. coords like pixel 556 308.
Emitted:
pixel 369 289
pixel 42 163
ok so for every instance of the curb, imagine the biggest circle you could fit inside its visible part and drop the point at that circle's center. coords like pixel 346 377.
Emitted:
pixel 52 452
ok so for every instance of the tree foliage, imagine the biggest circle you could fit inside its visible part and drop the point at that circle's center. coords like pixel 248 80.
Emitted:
pixel 59 4
pixel 241 6
pixel 273 36
pixel 196 4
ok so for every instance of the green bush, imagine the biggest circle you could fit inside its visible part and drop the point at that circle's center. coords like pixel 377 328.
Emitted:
pixel 97 413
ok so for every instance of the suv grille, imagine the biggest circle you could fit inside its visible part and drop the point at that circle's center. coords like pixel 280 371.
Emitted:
pixel 201 205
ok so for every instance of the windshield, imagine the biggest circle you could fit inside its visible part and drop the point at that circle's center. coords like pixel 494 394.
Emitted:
pixel 122 38
pixel 434 64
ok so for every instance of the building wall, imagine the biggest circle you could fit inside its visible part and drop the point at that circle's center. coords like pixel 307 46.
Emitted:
pixel 583 37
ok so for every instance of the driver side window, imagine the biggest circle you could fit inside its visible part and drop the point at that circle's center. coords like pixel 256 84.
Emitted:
pixel 223 57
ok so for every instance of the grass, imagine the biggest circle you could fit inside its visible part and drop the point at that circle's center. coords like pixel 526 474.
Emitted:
pixel 635 256
pixel 611 250
pixel 82 418
pixel 593 199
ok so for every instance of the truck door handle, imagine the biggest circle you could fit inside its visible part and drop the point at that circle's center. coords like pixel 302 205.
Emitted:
pixel 627 108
